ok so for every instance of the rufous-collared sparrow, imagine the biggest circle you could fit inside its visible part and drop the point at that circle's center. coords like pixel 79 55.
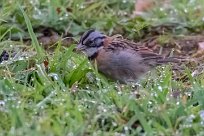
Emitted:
pixel 118 58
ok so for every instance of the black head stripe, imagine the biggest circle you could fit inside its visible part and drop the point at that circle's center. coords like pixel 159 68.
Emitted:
pixel 85 35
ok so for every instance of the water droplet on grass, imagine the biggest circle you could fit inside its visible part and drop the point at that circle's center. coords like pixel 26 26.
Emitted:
pixel 120 92
pixel 150 110
pixel 124 1
pixel 2 103
pixel 160 88
pixel 190 118
pixel 87 86
pixel 82 6
pixel 154 94
pixel 161 9
pixel 114 124
pixel 98 79
pixel 54 75
pixel 70 134
pixel 67 114
pixel 202 115
pixel 202 123
pixel 126 128
pixel 42 107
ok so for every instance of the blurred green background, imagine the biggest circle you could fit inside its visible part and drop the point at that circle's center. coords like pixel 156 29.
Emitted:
pixel 58 92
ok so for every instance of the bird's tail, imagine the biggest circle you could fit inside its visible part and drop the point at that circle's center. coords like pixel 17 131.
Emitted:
pixel 175 60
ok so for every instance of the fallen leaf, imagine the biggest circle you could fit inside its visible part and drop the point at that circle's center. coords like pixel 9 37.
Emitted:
pixel 142 5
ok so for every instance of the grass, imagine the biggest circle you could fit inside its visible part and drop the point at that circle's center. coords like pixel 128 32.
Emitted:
pixel 60 92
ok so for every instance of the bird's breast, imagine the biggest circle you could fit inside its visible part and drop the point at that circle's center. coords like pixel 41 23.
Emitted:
pixel 122 65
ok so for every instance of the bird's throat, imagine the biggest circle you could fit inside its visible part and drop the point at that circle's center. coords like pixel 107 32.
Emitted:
pixel 92 57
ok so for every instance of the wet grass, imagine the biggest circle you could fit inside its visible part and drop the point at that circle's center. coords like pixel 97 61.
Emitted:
pixel 59 92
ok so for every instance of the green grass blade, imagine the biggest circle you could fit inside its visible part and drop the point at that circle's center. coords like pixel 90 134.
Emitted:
pixel 35 43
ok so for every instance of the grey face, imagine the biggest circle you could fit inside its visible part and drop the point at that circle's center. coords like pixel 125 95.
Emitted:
pixel 90 42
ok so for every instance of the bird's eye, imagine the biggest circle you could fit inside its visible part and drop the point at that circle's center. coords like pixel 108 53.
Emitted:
pixel 89 43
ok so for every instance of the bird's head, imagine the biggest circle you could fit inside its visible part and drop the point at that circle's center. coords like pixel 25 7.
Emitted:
pixel 91 41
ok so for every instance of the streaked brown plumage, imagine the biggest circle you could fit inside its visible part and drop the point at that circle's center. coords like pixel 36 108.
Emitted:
pixel 118 58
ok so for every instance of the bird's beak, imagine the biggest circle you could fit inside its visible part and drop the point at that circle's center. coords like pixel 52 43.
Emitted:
pixel 80 47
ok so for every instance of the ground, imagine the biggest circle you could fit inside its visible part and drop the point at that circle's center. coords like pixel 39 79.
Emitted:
pixel 46 88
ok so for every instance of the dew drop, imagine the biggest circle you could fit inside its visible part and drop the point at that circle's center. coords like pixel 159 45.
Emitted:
pixel 70 134
pixel 126 128
pixel 202 115
pixel 202 123
pixel 119 92
pixel 82 6
pixel 67 114
pixel 41 107
pixel 54 75
pixel 124 1
pixel 114 124
pixel 190 118
pixel 87 87
pixel 161 9
pixel 150 110
pixel 160 88
pixel 2 103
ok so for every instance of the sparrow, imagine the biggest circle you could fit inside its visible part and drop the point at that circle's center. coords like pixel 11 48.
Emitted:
pixel 120 59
